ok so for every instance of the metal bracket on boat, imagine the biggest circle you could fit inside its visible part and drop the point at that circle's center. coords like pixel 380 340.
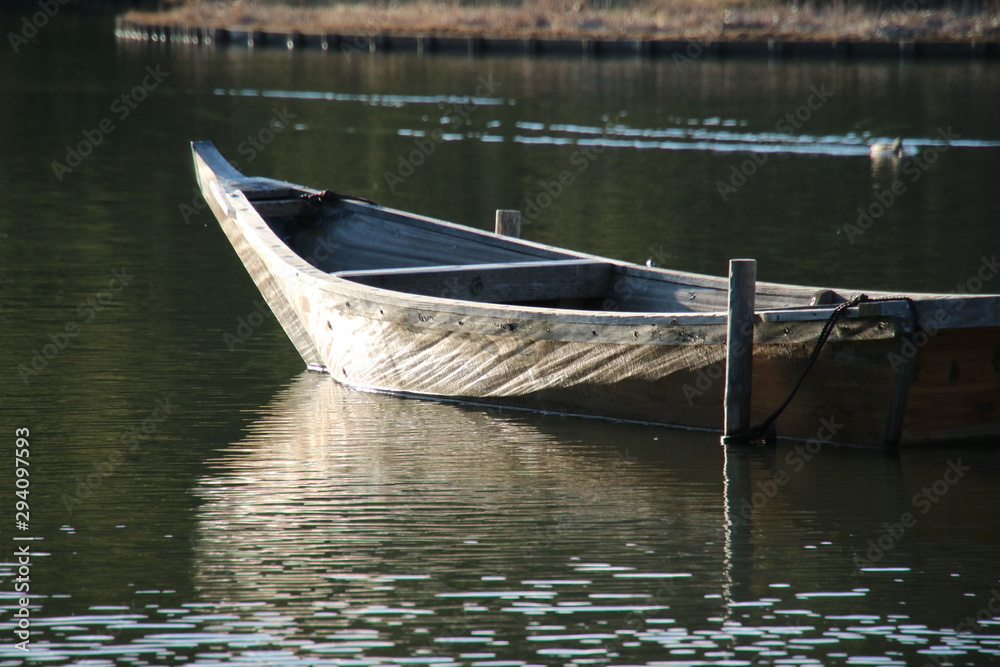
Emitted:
pixel 864 309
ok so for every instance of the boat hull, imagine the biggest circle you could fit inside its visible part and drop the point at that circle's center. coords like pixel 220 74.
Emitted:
pixel 661 375
pixel 676 384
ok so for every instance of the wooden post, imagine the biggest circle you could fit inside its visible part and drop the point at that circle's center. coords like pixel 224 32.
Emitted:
pixel 739 348
pixel 508 223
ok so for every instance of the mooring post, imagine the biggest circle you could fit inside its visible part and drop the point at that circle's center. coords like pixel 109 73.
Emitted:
pixel 508 223
pixel 739 348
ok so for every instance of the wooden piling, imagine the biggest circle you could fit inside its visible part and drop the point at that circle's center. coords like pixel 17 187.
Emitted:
pixel 508 223
pixel 739 348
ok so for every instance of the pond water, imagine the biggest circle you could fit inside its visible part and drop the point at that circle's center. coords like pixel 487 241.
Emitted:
pixel 196 497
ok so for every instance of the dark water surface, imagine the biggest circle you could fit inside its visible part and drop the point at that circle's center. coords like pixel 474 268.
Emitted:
pixel 198 499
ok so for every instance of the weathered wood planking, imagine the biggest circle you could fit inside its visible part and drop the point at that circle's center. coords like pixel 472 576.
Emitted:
pixel 624 341
pixel 359 240
pixel 508 223
pixel 672 383
pixel 954 392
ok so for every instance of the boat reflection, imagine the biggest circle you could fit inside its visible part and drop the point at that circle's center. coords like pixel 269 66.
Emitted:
pixel 375 527
pixel 332 487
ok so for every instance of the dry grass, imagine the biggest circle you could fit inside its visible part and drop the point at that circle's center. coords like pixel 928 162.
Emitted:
pixel 686 19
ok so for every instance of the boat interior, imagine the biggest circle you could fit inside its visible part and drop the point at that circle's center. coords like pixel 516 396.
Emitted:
pixel 407 253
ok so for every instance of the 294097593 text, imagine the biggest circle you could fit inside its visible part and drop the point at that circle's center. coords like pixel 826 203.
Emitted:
pixel 22 552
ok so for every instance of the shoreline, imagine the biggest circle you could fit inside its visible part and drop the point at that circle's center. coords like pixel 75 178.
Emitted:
pixel 688 29
pixel 679 49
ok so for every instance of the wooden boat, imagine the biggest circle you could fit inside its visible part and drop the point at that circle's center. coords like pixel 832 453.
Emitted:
pixel 390 301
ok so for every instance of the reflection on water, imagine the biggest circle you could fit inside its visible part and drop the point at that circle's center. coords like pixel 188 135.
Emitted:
pixel 355 529
pixel 373 483
pixel 404 530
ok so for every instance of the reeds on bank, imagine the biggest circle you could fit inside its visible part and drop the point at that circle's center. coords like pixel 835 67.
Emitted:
pixel 646 19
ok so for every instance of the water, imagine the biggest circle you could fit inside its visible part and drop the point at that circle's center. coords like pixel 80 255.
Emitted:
pixel 199 499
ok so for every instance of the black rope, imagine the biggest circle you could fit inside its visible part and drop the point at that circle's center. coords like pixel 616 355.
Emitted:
pixel 766 431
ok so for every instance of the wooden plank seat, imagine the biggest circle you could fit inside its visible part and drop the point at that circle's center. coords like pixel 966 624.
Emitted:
pixel 517 282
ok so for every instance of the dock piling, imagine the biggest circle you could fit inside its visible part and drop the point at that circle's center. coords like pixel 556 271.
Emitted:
pixel 739 349
pixel 508 223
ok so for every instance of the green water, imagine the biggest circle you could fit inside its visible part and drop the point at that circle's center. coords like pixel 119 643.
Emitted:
pixel 202 501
